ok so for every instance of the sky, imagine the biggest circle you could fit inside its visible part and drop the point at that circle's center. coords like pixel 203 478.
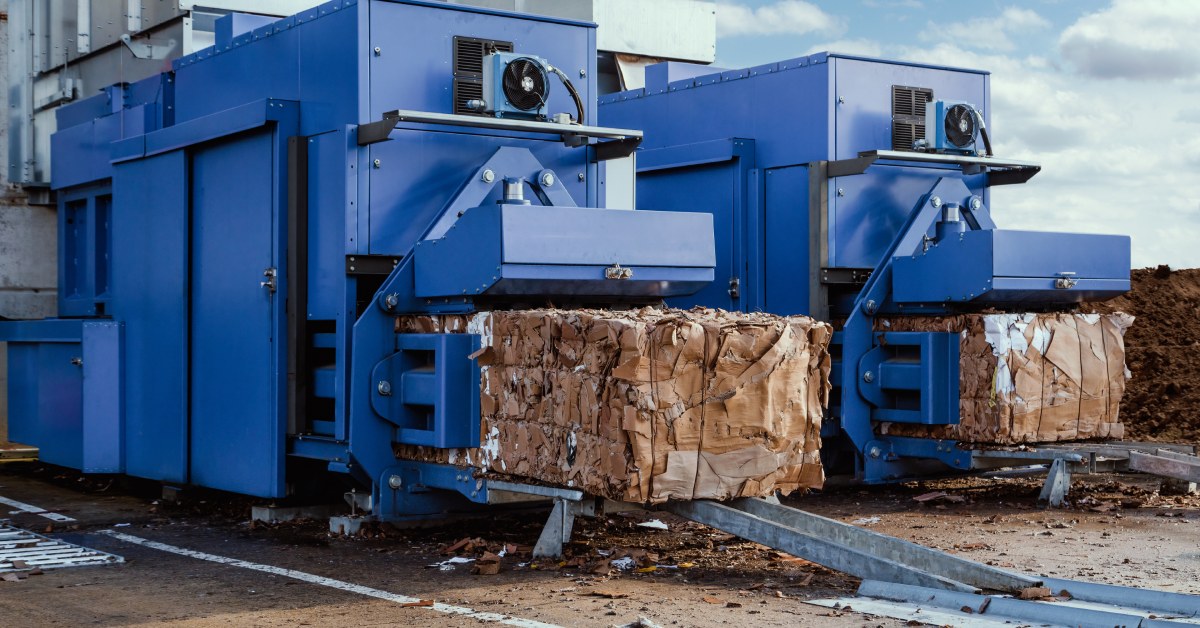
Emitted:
pixel 1105 95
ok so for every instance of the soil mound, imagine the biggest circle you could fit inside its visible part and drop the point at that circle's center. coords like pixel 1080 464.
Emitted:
pixel 1162 401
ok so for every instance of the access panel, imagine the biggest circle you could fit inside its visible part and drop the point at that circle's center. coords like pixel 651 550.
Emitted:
pixel 237 425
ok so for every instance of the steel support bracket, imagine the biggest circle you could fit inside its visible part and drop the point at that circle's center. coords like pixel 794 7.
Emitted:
pixel 1058 484
pixel 148 49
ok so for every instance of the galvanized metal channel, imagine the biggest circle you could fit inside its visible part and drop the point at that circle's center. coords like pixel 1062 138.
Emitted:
pixel 37 551
pixel 850 549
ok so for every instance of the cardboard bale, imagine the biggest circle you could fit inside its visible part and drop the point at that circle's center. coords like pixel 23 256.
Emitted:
pixel 646 405
pixel 1030 378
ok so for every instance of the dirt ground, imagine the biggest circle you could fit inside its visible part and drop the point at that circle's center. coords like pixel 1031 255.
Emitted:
pixel 1117 530
pixel 1162 401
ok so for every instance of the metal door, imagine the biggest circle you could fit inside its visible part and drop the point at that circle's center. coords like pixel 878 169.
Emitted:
pixel 236 421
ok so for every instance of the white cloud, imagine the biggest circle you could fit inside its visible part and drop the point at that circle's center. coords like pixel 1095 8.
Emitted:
pixel 986 33
pixel 784 17
pixel 1137 40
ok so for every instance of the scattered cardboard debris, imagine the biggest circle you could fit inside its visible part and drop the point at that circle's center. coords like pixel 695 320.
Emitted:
pixel 1034 593
pixel 486 565
pixel 606 593
pixel 417 604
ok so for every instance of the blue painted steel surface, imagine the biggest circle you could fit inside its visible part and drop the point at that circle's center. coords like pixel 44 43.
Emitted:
pixel 424 389
pixel 103 442
pixel 490 249
pixel 1014 268
pixel 85 246
pixel 54 366
pixel 719 176
pixel 912 377
pixel 237 424
pixel 151 234
pixel 787 243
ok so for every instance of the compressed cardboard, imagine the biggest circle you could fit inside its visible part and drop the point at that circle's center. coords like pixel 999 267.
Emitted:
pixel 1030 378
pixel 646 405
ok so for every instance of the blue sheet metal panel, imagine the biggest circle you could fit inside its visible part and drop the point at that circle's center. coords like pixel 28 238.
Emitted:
pixel 237 424
pixel 87 145
pixel 229 26
pixel 331 188
pixel 997 266
pixel 420 171
pixel 82 111
pixel 868 210
pixel 863 98
pixel 786 240
pixel 533 243
pixel 268 68
pixel 84 245
pixel 150 295
pixel 45 404
pixel 784 112
pixel 1044 253
pixel 710 190
pixel 330 52
pixel 103 445
pixel 403 78
pixel 581 235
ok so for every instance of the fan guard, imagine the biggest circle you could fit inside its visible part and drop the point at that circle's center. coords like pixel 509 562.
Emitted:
pixel 525 85
pixel 960 125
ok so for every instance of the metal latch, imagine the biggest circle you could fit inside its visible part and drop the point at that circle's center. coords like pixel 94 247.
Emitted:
pixel 269 284
pixel 616 271
pixel 735 287
pixel 1065 281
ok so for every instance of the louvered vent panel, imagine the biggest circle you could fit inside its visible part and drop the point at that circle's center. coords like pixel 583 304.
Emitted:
pixel 468 68
pixel 908 115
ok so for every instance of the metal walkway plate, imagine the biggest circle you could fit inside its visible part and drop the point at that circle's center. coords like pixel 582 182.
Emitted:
pixel 22 550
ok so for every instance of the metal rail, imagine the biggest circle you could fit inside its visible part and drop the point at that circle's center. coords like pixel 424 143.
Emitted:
pixel 572 134
pixel 1000 171
pixel 850 549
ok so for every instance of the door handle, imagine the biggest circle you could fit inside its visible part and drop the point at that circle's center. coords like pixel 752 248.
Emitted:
pixel 269 283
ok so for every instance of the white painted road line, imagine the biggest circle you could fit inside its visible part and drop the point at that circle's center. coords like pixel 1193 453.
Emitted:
pixel 34 510
pixel 330 582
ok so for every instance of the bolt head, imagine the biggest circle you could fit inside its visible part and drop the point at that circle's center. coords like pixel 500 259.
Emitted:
pixel 975 203
pixel 377 163
pixel 547 179
pixel 874 452
pixel 395 482
pixel 936 202
pixel 841 192
pixel 378 51
pixel 384 387
pixel 581 177
pixel 488 176
pixel 868 377
pixel 582 73
pixel 391 301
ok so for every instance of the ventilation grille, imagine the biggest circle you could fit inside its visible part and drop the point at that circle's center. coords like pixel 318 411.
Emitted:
pixel 468 68
pixel 908 115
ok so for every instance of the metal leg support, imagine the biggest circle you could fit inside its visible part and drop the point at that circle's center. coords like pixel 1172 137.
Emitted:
pixel 1058 484
pixel 557 531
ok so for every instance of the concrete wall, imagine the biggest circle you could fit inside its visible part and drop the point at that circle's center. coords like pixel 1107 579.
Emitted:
pixel 28 243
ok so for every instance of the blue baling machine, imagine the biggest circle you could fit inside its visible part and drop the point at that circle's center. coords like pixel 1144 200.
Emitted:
pixel 238 235
pixel 849 188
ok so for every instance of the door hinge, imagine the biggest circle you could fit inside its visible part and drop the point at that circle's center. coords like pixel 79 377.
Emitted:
pixel 735 288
